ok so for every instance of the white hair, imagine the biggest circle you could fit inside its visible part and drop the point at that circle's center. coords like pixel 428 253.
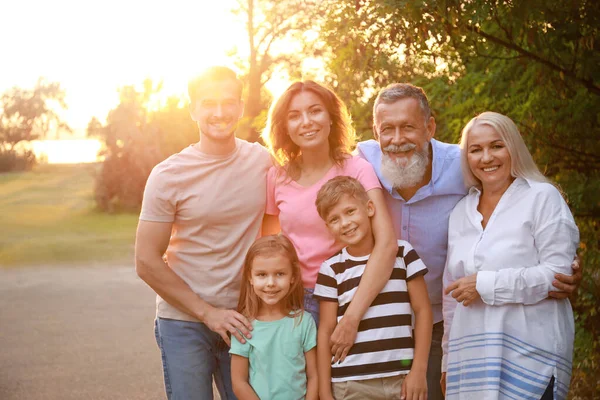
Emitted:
pixel 521 161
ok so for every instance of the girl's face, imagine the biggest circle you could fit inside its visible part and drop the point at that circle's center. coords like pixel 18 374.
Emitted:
pixel 308 121
pixel 271 278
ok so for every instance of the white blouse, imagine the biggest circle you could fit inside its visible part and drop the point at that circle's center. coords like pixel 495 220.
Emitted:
pixel 510 344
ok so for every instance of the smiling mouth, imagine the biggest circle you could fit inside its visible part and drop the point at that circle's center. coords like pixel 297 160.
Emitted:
pixel 490 169
pixel 309 134
pixel 350 232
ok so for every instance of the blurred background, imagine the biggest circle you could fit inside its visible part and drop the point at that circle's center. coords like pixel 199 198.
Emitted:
pixel 93 95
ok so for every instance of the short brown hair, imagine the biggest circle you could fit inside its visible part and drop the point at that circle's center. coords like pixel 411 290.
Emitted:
pixel 266 246
pixel 211 74
pixel 332 191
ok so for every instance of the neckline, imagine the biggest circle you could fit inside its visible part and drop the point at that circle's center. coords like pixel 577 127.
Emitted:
pixel 334 166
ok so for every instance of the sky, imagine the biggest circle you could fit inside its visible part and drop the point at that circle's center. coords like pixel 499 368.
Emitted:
pixel 92 48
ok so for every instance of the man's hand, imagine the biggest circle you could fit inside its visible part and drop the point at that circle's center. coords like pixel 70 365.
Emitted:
pixel 414 386
pixel 343 337
pixel 464 290
pixel 567 285
pixel 443 383
pixel 224 321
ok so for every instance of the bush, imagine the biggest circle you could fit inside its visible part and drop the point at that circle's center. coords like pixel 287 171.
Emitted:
pixel 11 160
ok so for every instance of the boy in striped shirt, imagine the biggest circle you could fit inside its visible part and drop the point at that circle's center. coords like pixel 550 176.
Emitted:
pixel 385 361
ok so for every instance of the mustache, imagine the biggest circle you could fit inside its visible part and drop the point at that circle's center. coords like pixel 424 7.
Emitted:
pixel 392 148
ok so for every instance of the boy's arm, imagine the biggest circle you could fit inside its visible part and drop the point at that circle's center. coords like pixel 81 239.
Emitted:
pixel 377 274
pixel 239 378
pixel 327 323
pixel 312 378
pixel 415 384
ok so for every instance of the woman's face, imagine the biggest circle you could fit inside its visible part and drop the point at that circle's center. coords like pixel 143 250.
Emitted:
pixel 308 122
pixel 488 157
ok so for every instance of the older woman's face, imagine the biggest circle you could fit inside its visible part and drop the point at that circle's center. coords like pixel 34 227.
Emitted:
pixel 488 158
pixel 308 121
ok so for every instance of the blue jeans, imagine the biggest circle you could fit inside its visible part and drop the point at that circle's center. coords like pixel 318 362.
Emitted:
pixel 311 305
pixel 192 355
pixel 434 366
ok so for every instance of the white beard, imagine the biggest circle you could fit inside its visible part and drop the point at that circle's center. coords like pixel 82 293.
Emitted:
pixel 404 174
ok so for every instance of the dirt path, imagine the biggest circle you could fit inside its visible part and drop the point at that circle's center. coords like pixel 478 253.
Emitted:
pixel 77 333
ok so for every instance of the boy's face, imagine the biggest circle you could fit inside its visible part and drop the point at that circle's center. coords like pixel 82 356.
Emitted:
pixel 349 221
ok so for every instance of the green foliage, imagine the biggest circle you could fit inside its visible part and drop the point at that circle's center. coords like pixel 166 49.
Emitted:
pixel 136 139
pixel 535 61
pixel 25 115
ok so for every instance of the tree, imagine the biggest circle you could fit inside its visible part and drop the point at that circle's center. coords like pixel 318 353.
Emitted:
pixel 276 41
pixel 535 61
pixel 135 140
pixel 28 114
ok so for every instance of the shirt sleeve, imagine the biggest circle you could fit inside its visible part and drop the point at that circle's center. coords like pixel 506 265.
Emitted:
pixel 363 171
pixel 449 304
pixel 238 348
pixel 309 331
pixel 556 239
pixel 326 287
pixel 159 203
pixel 414 265
pixel 271 207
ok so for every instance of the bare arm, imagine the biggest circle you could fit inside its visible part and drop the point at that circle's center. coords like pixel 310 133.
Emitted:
pixel 270 225
pixel 239 378
pixel 327 322
pixel 151 242
pixel 376 275
pixel 312 378
pixel 415 384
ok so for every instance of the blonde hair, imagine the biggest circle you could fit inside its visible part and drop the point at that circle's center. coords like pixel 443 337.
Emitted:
pixel 269 246
pixel 521 161
pixel 332 191
pixel 342 137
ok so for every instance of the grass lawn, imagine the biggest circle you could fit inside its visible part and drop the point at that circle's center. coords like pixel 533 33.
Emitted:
pixel 48 216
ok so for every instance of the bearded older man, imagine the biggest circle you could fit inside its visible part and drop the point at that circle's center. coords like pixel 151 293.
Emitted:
pixel 423 182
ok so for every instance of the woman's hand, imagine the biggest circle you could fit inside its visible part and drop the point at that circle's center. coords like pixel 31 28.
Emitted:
pixel 464 290
pixel 443 383
pixel 342 339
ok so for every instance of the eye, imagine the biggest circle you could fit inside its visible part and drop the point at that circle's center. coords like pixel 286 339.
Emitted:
pixel 333 220
pixel 315 110
pixel 351 211
pixel 498 146
pixel 475 150
pixel 209 103
pixel 293 116
pixel 281 274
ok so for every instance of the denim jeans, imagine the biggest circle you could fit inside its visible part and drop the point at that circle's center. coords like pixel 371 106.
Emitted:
pixel 434 366
pixel 311 305
pixel 192 355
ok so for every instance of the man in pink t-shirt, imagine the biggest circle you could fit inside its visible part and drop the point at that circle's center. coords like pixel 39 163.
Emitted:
pixel 202 210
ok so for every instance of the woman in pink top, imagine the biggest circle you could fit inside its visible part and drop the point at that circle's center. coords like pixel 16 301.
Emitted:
pixel 310 135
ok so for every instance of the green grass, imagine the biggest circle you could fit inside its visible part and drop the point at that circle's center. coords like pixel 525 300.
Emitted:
pixel 48 216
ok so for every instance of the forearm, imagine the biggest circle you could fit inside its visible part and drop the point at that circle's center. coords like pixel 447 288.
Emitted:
pixel 244 391
pixel 423 328
pixel 312 388
pixel 169 286
pixel 377 274
pixel 324 362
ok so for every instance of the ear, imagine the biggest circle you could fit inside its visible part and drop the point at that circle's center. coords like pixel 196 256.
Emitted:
pixel 192 108
pixel 370 208
pixel 242 105
pixel 431 128
pixel 375 133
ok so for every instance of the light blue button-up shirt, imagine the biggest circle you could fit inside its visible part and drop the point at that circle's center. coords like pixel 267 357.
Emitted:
pixel 423 220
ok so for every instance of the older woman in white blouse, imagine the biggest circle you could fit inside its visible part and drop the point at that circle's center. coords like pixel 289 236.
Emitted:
pixel 504 338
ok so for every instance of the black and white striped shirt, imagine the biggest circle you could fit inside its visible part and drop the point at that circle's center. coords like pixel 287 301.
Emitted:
pixel 384 344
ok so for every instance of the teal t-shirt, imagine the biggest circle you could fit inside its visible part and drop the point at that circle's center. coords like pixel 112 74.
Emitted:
pixel 276 356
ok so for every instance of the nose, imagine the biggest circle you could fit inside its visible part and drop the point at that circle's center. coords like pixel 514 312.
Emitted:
pixel 487 156
pixel 305 119
pixel 397 137
pixel 218 112
pixel 270 280
pixel 345 221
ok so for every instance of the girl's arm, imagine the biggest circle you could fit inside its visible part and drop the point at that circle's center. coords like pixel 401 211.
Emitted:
pixel 312 379
pixel 270 225
pixel 415 384
pixel 239 378
pixel 327 322
pixel 376 275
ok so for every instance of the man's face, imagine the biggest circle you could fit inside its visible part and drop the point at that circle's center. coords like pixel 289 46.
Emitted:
pixel 404 135
pixel 218 109
pixel 349 222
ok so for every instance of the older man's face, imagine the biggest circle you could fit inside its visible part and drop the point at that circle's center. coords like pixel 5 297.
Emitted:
pixel 403 135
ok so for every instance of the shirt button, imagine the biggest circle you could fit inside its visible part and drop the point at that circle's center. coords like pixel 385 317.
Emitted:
pixel 403 228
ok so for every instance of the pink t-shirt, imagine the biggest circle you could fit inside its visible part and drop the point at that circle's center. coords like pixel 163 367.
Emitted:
pixel 298 217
